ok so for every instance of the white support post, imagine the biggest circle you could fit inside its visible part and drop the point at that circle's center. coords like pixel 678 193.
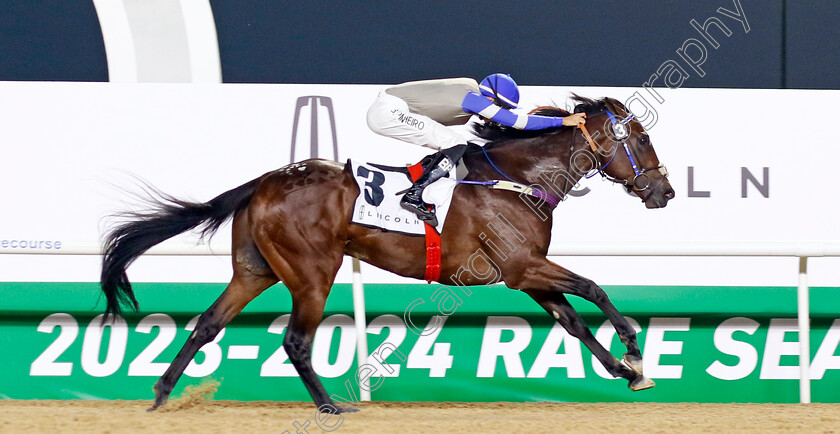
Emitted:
pixel 804 333
pixel 361 328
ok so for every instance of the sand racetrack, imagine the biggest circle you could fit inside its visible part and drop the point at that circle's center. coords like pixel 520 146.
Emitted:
pixel 410 417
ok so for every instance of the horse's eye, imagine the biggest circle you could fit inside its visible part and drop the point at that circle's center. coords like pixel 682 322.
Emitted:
pixel 644 140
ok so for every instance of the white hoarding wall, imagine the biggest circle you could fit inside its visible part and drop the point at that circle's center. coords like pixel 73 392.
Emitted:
pixel 747 165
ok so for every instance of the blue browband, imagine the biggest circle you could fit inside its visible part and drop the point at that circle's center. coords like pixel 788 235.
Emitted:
pixel 620 133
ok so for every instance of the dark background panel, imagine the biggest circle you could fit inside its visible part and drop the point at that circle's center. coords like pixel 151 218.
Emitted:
pixel 603 43
pixel 813 44
pixel 52 40
pixel 608 43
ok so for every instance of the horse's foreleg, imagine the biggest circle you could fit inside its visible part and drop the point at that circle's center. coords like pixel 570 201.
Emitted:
pixel 239 293
pixel 590 291
pixel 558 307
pixel 547 282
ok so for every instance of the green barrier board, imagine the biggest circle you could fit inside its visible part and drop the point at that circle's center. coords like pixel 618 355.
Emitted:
pixel 700 344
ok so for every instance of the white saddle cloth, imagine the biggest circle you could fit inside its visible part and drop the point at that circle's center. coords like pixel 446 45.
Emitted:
pixel 378 204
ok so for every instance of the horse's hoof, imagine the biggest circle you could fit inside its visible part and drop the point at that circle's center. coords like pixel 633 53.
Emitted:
pixel 641 383
pixel 634 363
pixel 347 410
pixel 336 409
pixel 159 401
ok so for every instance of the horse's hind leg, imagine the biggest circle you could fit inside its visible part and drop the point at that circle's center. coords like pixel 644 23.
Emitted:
pixel 309 278
pixel 251 276
pixel 238 293
pixel 307 263
pixel 307 311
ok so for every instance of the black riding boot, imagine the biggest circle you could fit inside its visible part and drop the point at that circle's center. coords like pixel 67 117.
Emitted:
pixel 442 163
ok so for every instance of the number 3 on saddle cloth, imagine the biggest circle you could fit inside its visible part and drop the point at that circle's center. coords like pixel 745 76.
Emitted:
pixel 378 205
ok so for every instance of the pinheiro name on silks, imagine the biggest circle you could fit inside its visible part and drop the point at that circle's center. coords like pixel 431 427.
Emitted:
pixel 30 244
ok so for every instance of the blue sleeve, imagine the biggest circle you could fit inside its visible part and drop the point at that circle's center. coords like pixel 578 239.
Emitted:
pixel 480 105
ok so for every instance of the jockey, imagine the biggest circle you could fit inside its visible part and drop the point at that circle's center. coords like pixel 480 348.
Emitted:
pixel 418 112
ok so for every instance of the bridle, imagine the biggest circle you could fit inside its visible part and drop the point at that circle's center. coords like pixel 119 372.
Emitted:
pixel 620 133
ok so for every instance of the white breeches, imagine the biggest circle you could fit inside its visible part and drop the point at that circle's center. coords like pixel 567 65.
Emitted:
pixel 390 117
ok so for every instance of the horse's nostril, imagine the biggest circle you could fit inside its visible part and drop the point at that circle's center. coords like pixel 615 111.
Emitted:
pixel 670 194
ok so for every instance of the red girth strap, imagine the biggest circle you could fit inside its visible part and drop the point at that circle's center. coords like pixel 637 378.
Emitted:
pixel 432 237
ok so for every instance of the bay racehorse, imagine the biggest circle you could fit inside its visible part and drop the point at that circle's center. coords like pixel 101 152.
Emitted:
pixel 293 226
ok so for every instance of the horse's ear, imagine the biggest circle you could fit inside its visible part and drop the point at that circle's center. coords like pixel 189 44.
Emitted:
pixel 548 110
pixel 615 105
pixel 584 104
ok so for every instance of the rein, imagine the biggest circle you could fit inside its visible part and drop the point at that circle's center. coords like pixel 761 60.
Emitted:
pixel 512 185
pixel 494 166
pixel 620 133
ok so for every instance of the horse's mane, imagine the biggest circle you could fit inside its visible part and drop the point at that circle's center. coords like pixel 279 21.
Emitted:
pixel 494 133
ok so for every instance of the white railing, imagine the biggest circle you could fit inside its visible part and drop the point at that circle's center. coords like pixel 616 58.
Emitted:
pixel 174 248
pixel 802 250
pixel 168 248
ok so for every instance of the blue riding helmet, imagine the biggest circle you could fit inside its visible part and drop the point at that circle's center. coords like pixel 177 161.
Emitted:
pixel 501 88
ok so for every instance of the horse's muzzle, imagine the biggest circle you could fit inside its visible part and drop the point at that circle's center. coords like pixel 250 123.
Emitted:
pixel 660 195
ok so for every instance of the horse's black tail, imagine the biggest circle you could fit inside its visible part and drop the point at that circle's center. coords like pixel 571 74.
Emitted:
pixel 168 217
